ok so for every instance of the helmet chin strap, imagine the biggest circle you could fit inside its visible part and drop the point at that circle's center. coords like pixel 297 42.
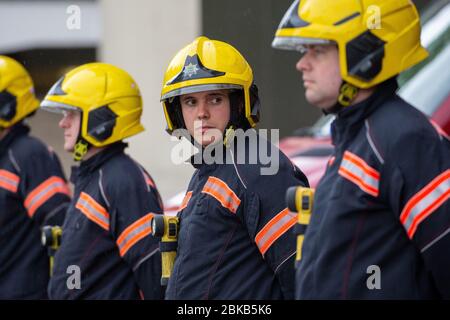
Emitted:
pixel 347 94
pixel 80 149
pixel 236 122
pixel 82 146
pixel 228 135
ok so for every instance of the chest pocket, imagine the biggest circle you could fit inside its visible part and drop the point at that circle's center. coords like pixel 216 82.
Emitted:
pixel 194 227
pixel 208 215
pixel 331 181
pixel 74 220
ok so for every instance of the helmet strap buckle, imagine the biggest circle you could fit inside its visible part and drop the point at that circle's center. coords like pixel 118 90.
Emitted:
pixel 347 93
pixel 229 136
pixel 80 149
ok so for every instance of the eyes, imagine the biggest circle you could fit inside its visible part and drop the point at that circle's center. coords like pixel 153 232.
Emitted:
pixel 215 99
pixel 316 51
pixel 69 114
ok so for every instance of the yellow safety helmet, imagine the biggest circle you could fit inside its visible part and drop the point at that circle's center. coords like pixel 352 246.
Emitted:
pixel 377 39
pixel 205 65
pixel 108 98
pixel 17 99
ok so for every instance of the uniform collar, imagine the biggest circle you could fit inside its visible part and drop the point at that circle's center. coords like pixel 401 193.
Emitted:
pixel 351 119
pixel 17 130
pixel 90 165
pixel 199 163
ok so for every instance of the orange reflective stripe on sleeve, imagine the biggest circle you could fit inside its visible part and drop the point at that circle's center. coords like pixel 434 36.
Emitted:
pixel 425 202
pixel 133 233
pixel 356 170
pixel 9 180
pixel 93 210
pixel 274 229
pixel 222 193
pixel 47 189
pixel 185 202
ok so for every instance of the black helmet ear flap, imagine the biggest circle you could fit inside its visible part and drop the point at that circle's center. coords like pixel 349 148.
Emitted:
pixel 175 113
pixel 237 109
pixel 101 123
pixel 255 103
pixel 8 106
pixel 238 117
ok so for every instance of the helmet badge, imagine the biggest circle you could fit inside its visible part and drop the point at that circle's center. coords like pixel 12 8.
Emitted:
pixel 190 70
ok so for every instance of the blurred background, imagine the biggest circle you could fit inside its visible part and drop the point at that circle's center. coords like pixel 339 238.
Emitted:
pixel 141 36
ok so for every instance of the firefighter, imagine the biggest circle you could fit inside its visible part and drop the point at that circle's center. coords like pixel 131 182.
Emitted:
pixel 33 189
pixel 106 250
pixel 235 239
pixel 380 222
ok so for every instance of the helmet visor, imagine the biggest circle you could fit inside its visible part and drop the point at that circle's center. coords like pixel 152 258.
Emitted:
pixel 57 107
pixel 297 43
pixel 199 88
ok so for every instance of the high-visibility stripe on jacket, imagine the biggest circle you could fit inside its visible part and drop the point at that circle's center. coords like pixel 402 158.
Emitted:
pixel 222 192
pixel 135 232
pixel 45 191
pixel 93 210
pixel 360 173
pixel 425 202
pixel 9 180
pixel 274 229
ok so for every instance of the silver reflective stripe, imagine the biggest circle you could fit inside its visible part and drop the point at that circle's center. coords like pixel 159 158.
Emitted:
pixel 135 232
pixel 13 160
pixel 428 246
pixel 423 204
pixel 225 195
pixel 296 43
pixel 57 107
pixel 100 185
pixel 140 262
pixel 268 234
pixel 235 168
pixel 372 144
pixel 360 173
pixel 93 211
pixel 9 181
pixel 282 262
pixel 36 198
